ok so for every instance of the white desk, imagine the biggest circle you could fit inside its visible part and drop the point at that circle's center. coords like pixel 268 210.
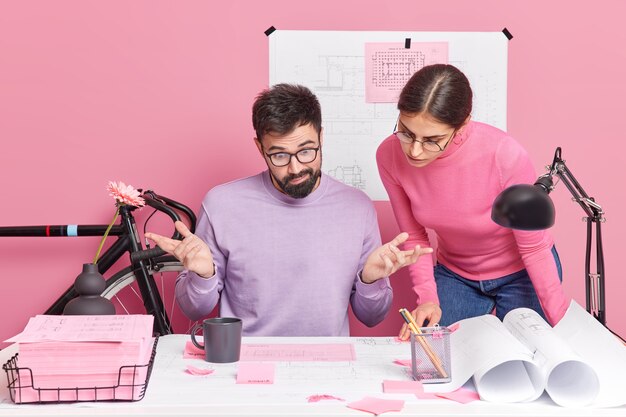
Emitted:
pixel 173 392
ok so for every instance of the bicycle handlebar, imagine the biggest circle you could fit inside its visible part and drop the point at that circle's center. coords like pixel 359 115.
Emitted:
pixel 142 255
pixel 165 205
pixel 186 210
pixel 151 200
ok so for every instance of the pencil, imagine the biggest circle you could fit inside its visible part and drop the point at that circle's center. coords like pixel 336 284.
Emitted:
pixel 434 359
pixel 416 329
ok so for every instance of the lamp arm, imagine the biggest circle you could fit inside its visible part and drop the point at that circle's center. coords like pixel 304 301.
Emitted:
pixel 588 204
pixel 594 282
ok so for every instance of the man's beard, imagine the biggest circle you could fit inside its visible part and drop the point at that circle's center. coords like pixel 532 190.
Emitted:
pixel 302 189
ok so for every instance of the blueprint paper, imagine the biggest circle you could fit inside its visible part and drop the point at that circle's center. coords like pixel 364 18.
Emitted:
pixel 332 65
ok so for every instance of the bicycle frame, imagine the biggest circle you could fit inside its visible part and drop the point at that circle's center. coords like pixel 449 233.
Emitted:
pixel 128 240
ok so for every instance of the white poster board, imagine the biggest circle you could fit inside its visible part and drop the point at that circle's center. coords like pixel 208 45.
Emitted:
pixel 332 65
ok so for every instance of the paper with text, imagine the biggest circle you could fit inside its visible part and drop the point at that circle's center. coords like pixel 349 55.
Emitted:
pixel 284 352
pixel 299 352
pixel 105 328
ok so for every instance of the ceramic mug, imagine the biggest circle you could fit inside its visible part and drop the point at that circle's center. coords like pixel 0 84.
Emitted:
pixel 222 339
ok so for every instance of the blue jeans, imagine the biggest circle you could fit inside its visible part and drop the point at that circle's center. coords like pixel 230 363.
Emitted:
pixel 461 298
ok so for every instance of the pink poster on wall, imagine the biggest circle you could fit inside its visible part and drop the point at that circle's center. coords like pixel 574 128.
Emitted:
pixel 388 66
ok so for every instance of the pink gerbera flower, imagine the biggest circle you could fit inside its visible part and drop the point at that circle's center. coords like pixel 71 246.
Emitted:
pixel 123 195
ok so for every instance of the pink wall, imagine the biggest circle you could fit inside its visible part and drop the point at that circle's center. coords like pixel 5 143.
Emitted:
pixel 158 94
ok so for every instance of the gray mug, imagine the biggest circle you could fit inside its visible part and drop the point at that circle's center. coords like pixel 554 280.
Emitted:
pixel 222 339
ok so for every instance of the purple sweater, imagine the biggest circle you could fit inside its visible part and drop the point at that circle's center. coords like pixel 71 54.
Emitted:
pixel 285 266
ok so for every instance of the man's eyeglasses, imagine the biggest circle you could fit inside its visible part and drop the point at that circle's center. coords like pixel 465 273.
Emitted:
pixel 304 156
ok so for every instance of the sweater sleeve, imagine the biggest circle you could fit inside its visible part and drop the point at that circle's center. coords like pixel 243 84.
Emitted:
pixel 370 302
pixel 197 296
pixel 515 167
pixel 421 272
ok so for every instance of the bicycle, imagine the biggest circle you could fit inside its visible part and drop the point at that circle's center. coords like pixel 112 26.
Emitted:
pixel 144 263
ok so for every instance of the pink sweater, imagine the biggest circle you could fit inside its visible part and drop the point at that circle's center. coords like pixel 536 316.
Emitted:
pixel 453 196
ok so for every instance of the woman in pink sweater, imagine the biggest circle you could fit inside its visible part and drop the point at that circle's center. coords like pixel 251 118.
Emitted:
pixel 442 172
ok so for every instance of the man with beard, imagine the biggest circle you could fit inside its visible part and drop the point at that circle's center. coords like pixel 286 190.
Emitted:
pixel 288 249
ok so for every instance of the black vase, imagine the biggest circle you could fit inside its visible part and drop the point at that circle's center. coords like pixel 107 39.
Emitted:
pixel 89 285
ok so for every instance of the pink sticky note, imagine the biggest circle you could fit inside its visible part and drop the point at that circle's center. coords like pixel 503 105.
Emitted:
pixel 298 352
pixel 377 405
pixel 320 397
pixel 427 396
pixel 454 327
pixel 411 387
pixel 192 352
pixel 198 371
pixel 255 373
pixel 388 66
pixel 462 395
pixel 406 362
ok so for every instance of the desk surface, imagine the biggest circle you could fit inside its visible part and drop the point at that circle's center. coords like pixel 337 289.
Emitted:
pixel 174 392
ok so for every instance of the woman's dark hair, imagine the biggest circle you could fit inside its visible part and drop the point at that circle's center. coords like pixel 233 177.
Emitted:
pixel 439 90
pixel 284 107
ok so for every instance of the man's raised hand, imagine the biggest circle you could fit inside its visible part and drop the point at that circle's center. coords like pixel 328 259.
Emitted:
pixel 388 258
pixel 192 251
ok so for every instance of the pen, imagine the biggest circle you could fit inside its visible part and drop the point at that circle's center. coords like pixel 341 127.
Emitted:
pixel 434 359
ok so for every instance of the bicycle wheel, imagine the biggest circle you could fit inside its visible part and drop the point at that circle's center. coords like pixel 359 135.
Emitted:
pixel 123 291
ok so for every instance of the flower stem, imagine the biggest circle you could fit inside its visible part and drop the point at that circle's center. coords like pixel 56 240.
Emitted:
pixel 106 233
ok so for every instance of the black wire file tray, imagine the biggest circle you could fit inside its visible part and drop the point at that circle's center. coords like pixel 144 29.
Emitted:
pixel 131 385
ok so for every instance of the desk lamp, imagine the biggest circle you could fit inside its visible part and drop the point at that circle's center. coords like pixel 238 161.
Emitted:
pixel 528 207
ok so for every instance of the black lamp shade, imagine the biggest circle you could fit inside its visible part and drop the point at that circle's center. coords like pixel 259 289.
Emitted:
pixel 523 207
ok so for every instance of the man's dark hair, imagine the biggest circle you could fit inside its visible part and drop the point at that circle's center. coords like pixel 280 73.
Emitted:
pixel 284 107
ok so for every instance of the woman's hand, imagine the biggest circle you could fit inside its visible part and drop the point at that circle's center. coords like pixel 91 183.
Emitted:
pixel 427 311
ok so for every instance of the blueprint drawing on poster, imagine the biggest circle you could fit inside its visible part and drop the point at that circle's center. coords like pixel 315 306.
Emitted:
pixel 333 65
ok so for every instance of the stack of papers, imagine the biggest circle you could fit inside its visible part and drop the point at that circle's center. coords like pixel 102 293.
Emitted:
pixel 88 357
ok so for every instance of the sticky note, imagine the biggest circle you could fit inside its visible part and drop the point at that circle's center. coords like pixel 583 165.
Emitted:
pixel 377 405
pixel 255 373
pixel 410 387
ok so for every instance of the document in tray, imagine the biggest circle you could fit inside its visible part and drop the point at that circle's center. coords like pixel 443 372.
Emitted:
pixel 578 362
pixel 83 352
pixel 105 328
pixel 100 382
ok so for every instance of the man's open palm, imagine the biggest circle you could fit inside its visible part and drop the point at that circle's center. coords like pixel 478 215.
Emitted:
pixel 192 251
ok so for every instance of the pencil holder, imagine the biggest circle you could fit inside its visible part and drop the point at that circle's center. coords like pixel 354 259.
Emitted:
pixel 430 355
